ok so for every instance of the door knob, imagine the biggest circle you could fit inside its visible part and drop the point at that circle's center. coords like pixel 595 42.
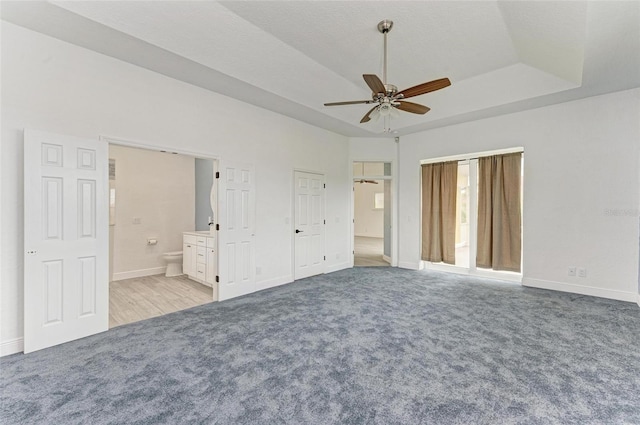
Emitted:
pixel 298 231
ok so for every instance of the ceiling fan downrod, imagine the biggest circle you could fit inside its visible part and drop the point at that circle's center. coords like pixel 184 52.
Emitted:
pixel 384 27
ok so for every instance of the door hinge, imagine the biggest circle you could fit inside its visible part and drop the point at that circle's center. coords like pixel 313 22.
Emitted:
pixel 325 258
pixel 325 221
pixel 324 185
pixel 217 279
pixel 217 174
pixel 218 226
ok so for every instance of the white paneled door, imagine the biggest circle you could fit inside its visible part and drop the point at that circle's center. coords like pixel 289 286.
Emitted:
pixel 309 224
pixel 236 236
pixel 66 239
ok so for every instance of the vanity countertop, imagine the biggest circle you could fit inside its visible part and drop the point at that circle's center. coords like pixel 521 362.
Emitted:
pixel 198 233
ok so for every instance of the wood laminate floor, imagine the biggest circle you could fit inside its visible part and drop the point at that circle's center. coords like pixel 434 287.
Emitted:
pixel 368 252
pixel 141 298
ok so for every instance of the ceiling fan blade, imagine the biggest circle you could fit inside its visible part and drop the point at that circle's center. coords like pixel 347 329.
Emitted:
pixel 351 102
pixel 374 83
pixel 367 117
pixel 414 108
pixel 424 88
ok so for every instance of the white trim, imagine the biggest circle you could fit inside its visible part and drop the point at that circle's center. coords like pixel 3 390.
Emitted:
pixel 410 265
pixel 465 156
pixel 638 300
pixel 11 346
pixel 613 294
pixel 336 267
pixel 148 146
pixel 138 273
pixel 271 283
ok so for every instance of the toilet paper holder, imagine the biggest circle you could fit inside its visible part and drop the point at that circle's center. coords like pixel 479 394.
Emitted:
pixel 152 241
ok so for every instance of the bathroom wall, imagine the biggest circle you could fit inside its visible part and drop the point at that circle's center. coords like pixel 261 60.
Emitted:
pixel 368 221
pixel 155 198
pixel 204 180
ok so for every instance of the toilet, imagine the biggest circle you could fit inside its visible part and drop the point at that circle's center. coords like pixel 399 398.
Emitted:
pixel 174 263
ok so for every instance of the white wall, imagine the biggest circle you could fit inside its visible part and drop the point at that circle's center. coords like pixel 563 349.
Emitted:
pixel 581 165
pixel 58 87
pixel 158 189
pixel 204 180
pixel 369 222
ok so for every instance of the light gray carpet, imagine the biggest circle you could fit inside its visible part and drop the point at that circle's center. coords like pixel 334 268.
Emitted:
pixel 360 346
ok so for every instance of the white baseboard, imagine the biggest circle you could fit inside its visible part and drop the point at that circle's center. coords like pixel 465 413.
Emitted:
pixel 339 266
pixel 11 346
pixel 386 258
pixel 409 265
pixel 138 273
pixel 270 283
pixel 638 300
pixel 613 294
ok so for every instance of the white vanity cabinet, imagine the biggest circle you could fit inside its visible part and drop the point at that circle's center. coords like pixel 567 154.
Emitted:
pixel 199 257
pixel 189 255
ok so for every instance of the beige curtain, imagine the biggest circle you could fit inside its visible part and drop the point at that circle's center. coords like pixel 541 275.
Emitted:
pixel 499 212
pixel 439 188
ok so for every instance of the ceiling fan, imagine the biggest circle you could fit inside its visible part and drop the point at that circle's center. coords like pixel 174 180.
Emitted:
pixel 386 96
pixel 366 181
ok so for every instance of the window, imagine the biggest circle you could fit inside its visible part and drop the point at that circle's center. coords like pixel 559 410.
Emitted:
pixel 378 201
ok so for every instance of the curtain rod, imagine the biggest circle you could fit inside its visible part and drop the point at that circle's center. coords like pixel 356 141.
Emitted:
pixel 473 155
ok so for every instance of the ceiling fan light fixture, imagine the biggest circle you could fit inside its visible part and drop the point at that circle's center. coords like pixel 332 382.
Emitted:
pixel 375 114
pixel 385 108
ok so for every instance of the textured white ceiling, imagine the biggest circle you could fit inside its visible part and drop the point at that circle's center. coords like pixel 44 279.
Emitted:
pixel 293 56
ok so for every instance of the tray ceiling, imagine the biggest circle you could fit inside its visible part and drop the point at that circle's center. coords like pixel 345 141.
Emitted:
pixel 293 56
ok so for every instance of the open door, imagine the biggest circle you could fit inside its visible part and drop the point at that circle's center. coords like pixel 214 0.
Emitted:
pixel 236 236
pixel 66 239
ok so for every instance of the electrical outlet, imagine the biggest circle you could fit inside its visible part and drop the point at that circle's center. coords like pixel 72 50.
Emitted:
pixel 137 220
pixel 572 271
pixel 582 272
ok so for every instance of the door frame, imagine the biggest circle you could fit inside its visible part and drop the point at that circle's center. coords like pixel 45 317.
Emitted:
pixel 130 143
pixel 394 207
pixel 292 221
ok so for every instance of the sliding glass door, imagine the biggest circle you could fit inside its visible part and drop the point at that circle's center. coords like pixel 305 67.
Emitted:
pixel 466 225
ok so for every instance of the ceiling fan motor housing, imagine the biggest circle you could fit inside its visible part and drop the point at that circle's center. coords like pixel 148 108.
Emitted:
pixel 385 26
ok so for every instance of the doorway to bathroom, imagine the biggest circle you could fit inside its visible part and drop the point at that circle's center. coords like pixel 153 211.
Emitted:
pixel 162 237
pixel 372 229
